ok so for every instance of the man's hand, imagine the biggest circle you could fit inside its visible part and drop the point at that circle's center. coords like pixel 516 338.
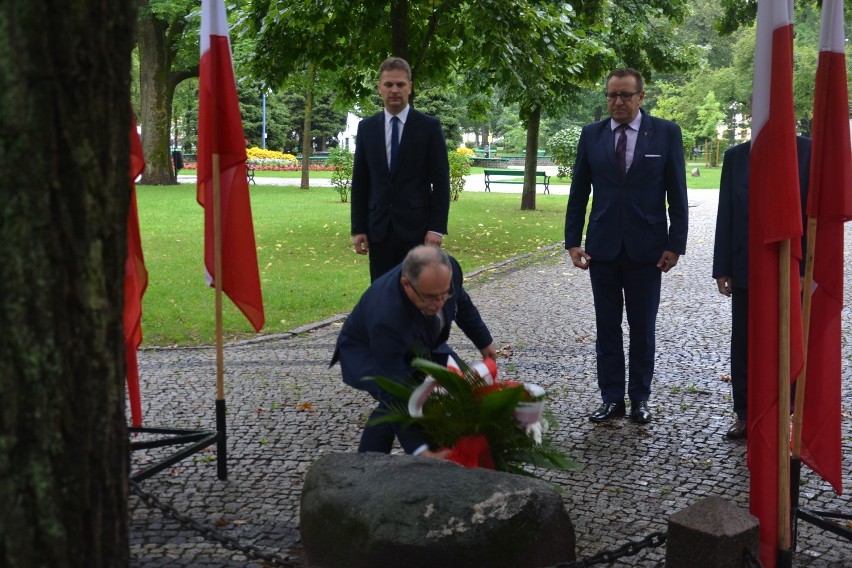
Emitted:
pixel 438 454
pixel 668 260
pixel 361 243
pixel 579 257
pixel 489 352
pixel 433 238
pixel 725 285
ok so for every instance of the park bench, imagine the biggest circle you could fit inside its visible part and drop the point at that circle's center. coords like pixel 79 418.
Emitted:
pixel 250 174
pixel 545 179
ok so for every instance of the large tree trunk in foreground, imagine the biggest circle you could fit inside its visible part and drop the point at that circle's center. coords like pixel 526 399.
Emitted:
pixel 64 187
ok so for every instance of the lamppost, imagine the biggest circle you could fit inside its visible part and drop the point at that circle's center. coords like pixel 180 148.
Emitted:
pixel 263 118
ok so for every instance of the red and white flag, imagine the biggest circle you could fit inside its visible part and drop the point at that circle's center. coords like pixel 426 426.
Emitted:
pixel 830 202
pixel 220 132
pixel 774 216
pixel 135 282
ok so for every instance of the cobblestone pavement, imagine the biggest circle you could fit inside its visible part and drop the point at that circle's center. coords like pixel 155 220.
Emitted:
pixel 286 408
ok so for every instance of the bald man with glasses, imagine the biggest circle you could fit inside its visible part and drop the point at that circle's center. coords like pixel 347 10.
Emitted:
pixel 635 166
pixel 406 313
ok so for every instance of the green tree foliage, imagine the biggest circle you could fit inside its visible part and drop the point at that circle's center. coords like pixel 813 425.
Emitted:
pixel 563 149
pixel 460 163
pixel 342 160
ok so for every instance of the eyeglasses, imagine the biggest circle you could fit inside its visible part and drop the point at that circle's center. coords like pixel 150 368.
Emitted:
pixel 624 96
pixel 432 298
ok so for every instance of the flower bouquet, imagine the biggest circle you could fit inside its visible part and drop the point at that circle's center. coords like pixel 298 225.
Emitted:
pixel 485 422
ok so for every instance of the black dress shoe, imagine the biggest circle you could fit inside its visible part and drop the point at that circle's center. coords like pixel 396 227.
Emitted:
pixel 639 412
pixel 608 410
pixel 739 431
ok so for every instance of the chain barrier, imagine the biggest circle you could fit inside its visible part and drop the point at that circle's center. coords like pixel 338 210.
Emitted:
pixel 251 551
pixel 632 548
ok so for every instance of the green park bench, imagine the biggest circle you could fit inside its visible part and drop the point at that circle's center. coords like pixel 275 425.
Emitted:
pixel 545 179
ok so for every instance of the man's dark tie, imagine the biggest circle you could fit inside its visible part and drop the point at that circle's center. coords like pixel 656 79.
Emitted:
pixel 394 141
pixel 621 149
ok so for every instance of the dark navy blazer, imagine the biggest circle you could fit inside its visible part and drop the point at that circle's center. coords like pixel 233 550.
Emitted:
pixel 629 212
pixel 730 251
pixel 413 199
pixel 386 331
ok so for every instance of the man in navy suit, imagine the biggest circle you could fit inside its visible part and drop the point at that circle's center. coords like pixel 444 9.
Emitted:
pixel 635 164
pixel 730 262
pixel 406 313
pixel 400 185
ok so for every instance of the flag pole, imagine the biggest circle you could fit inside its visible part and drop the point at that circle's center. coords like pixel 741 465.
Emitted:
pixel 785 555
pixel 798 414
pixel 806 324
pixel 221 427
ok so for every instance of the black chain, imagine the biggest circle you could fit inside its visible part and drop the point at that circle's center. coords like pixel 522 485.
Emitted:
pixel 632 548
pixel 251 551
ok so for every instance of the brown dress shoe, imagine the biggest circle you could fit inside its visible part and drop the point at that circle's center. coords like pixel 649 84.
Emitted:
pixel 739 431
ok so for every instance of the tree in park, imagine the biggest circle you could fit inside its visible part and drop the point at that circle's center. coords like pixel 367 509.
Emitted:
pixel 538 52
pixel 64 191
pixel 168 54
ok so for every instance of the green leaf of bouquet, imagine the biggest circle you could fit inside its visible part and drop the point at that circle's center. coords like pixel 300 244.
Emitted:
pixel 499 405
pixel 393 388
pixel 452 383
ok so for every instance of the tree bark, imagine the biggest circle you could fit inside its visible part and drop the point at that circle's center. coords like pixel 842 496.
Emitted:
pixel 64 189
pixel 156 101
pixel 158 45
pixel 307 136
pixel 531 160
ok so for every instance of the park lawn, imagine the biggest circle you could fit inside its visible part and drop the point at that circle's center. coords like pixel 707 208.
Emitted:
pixel 308 269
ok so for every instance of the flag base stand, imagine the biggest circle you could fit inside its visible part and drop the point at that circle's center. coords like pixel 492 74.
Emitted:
pixel 825 520
pixel 192 442
pixel 828 521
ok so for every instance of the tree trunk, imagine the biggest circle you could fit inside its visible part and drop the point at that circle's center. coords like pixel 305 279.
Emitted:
pixel 307 136
pixel 531 161
pixel 399 30
pixel 64 188
pixel 156 95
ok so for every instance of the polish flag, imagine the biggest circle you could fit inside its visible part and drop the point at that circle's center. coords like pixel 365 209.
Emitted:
pixel 830 203
pixel 135 282
pixel 774 217
pixel 220 133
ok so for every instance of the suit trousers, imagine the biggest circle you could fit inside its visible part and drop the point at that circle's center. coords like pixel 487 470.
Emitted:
pixel 380 437
pixel 616 285
pixel 388 253
pixel 739 351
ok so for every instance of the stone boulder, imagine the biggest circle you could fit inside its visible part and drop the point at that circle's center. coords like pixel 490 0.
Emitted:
pixel 368 510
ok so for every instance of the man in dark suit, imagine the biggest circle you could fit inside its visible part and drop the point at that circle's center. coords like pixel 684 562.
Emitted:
pixel 406 313
pixel 400 185
pixel 635 164
pixel 730 262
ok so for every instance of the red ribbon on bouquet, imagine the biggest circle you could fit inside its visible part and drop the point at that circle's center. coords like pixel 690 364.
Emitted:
pixel 472 451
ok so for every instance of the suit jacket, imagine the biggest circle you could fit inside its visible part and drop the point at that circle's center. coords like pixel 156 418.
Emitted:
pixel 386 331
pixel 730 249
pixel 629 213
pixel 415 197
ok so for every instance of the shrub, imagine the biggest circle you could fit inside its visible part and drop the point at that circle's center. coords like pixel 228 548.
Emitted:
pixel 341 160
pixel 563 149
pixel 460 161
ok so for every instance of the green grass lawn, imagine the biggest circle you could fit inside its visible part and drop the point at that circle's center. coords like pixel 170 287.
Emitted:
pixel 307 266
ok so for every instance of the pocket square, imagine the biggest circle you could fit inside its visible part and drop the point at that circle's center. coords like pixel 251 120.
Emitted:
pixel 653 155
